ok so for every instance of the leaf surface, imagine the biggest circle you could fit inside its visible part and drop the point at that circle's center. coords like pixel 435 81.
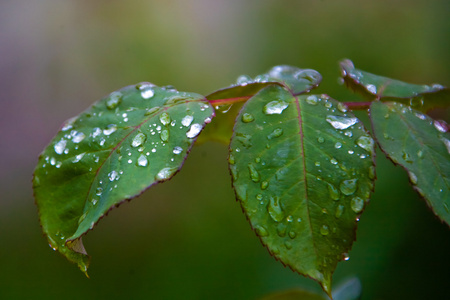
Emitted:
pixel 419 144
pixel 133 138
pixel 421 97
pixel 303 170
pixel 293 295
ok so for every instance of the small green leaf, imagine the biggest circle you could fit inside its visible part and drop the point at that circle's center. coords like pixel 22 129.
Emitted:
pixel 134 138
pixel 419 144
pixel 421 97
pixel 293 295
pixel 303 171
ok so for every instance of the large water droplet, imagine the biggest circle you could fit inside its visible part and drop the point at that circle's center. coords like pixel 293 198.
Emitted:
pixel 247 118
pixel 274 209
pixel 114 100
pixel 60 146
pixel 365 142
pixel 177 150
pixel 142 161
pixel 440 126
pixel 138 140
pixel 164 118
pixel 371 88
pixel 324 230
pixel 165 173
pixel 334 192
pixel 78 137
pixel 147 91
pixel 340 122
pixel 261 231
pixel 254 175
pixel 357 204
pixel 187 120
pixel 194 130
pixel 276 133
pixel 109 129
pixel 112 175
pixel 164 135
pixel 312 99
pixel 275 107
pixel 348 187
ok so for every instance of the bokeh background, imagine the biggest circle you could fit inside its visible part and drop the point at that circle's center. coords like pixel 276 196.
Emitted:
pixel 187 239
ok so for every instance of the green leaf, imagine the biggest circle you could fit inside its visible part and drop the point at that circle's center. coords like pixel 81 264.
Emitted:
pixel 293 295
pixel 132 139
pixel 303 170
pixel 348 290
pixel 419 144
pixel 421 97
pixel 299 81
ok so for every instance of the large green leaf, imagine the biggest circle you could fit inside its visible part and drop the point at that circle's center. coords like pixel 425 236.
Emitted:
pixel 134 138
pixel 229 100
pixel 303 170
pixel 421 97
pixel 419 144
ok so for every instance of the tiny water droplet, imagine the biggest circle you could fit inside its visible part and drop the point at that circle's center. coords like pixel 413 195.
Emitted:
pixel 274 209
pixel 194 130
pixel 276 133
pixel 446 143
pixel 99 191
pixel 348 133
pixel 247 118
pixel 340 122
pixel 254 175
pixel 114 100
pixel 420 154
pixel 275 107
pixel 281 229
pixel 231 160
pixel 138 140
pixel 324 230
pixel 290 218
pixel 333 161
pixel 440 126
pixel 412 177
pixel 288 245
pixel 243 80
pixel 348 187
pixel 317 163
pixel 142 161
pixel 320 139
pixel 164 118
pixel 234 172
pixel 406 157
pixel 342 107
pixel 357 204
pixel 261 231
pixel 420 116
pixel 292 234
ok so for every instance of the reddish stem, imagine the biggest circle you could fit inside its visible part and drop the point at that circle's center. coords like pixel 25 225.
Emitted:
pixel 229 100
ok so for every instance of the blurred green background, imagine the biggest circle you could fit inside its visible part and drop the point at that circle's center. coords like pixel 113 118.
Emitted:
pixel 187 239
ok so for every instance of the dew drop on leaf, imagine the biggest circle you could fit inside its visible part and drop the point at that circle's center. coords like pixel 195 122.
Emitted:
pixel 254 175
pixel 138 140
pixel 261 231
pixel 165 173
pixel 164 118
pixel 348 187
pixel 334 192
pixel 440 126
pixel 177 150
pixel 312 100
pixel 109 129
pixel 147 91
pixel 264 185
pixel 60 146
pixel 187 120
pixel 340 122
pixel 78 137
pixel 412 177
pixel 365 142
pixel 288 245
pixel 292 234
pixel 446 143
pixel 324 230
pixel 342 107
pixel 112 175
pixel 247 118
pixel 339 211
pixel 194 130
pixel 320 139
pixel 275 107
pixel 142 161
pixel 276 133
pixel 281 229
pixel 164 135
pixel 357 204
pixel 114 100
pixel 274 209
pixel 243 80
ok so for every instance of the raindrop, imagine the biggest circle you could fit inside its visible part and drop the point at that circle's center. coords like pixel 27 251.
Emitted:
pixel 152 110
pixel 337 145
pixel 348 133
pixel 177 150
pixel 138 140
pixel 142 161
pixel 275 107
pixel 261 231
pixel 412 177
pixel 345 256
pixel 317 164
pixel 113 175
pixel 78 157
pixel 406 157
pixel 254 175
pixel 348 187
pixel 290 219
pixel 243 80
pixel 340 122
pixel 339 211
pixel 333 161
pixel 351 151
pixel 365 142
pixel 312 100
pixel 328 104
pixel 231 159
pixel 420 116
pixel 446 143
pixel 78 137
pixel 247 118
pixel 276 133
pixel 194 130
pixel 334 192
pixel 60 146
pixel 288 245
pixel 357 204
pixel 244 139
pixel 420 154
pixel 114 100
pixel 440 126
pixel 164 135
pixel 292 234
pixel 165 173
pixel 187 120
pixel 342 107
pixel 109 129
pixel 264 185
pixel 324 230
pixel 371 88
pixel 99 191
pixel 281 229
pixel 147 91
pixel 164 118
pixel 320 139
pixel 416 102
pixel 274 208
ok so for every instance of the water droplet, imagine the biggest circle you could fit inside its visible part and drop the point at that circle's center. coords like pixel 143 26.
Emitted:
pixel 348 133
pixel 138 140
pixel 412 177
pixel 345 256
pixel 99 191
pixel 164 135
pixel 274 208
pixel 69 124
pixel 290 218
pixel 254 175
pixel 78 137
pixel 312 100
pixel 324 230
pixel 281 229
pixel 334 192
pixel 339 211
pixel 365 142
pixel 420 116
pixel 231 159
pixel 113 175
pixel 244 139
pixel 194 130
pixel 292 234
pixel 288 245
pixel 165 173
pixel 243 80
pixel 371 88
pixel 406 157
pixel 416 102
pixel 109 129
pixel 177 150
pixel 78 157
pixel 247 118
pixel 114 100
pixel 264 185
pixel 357 204
pixel 337 145
pixel 333 161
pixel 317 163
pixel 276 133
pixel 328 104
pixel 261 231
pixel 320 139
pixel 446 143
pixel 164 118
pixel 420 154
pixel 187 120
pixel 440 126
pixel 348 187
pixel 275 107
pixel 147 91
pixel 234 172
pixel 142 161
pixel 342 107
pixel 340 122
pixel 150 111
pixel 60 146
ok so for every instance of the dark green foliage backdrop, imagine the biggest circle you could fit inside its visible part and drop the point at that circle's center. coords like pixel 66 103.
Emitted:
pixel 187 239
